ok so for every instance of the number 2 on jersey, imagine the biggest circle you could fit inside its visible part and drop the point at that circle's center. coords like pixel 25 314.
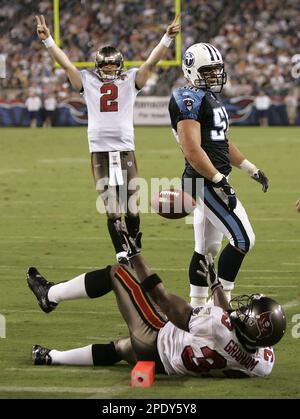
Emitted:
pixel 220 124
pixel 107 100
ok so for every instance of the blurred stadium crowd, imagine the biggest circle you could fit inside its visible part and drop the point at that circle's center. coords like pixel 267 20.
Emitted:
pixel 257 38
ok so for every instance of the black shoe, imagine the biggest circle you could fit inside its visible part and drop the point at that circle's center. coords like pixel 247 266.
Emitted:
pixel 40 287
pixel 40 355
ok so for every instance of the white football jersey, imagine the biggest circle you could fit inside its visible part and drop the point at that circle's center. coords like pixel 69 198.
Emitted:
pixel 210 348
pixel 110 111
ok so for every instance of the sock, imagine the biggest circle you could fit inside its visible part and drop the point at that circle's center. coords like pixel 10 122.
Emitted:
pixel 198 285
pixel 227 288
pixel 230 261
pixel 92 284
pixel 198 295
pixel 70 290
pixel 196 279
pixel 132 224
pixel 105 354
pixel 198 301
pixel 78 356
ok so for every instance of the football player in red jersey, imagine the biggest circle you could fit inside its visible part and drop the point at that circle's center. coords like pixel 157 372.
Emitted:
pixel 222 340
pixel 110 94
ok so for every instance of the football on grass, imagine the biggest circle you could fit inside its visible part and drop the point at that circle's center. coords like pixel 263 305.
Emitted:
pixel 173 203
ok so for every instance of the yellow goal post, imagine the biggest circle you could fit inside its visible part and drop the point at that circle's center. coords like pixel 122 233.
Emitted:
pixel 84 64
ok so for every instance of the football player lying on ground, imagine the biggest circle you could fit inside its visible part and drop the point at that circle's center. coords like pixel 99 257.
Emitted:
pixel 208 340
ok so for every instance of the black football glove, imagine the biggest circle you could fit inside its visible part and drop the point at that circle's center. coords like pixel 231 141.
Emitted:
pixel 228 191
pixel 261 178
pixel 207 271
pixel 133 245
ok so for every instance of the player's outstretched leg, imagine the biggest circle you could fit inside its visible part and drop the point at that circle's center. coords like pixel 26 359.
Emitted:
pixel 88 285
pixel 102 354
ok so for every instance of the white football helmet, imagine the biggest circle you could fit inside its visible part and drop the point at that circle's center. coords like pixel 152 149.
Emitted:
pixel 203 66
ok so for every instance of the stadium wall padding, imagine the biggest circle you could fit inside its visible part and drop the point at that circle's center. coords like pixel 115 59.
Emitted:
pixel 73 112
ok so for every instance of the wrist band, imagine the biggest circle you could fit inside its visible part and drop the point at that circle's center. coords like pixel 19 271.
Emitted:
pixel 217 177
pixel 49 42
pixel 150 282
pixel 248 167
pixel 166 41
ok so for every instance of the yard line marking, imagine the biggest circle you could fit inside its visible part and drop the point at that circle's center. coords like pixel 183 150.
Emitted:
pixel 267 270
pixel 242 270
pixel 8 311
pixel 266 286
pixel 166 239
pixel 60 368
pixel 76 390
pixel 153 268
pixel 259 278
pixel 290 263
pixel 291 304
pixel 54 267
pixel 64 160
pixel 274 219
pixel 9 171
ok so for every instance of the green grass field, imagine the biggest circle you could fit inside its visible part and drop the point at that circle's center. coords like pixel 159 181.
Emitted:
pixel 49 219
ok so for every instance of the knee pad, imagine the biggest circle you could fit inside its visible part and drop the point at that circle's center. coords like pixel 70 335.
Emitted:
pixel 105 354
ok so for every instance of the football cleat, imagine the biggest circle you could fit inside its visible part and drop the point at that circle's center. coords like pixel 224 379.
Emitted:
pixel 40 287
pixel 40 355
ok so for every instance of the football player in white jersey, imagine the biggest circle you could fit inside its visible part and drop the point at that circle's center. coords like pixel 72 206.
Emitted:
pixel 200 124
pixel 110 94
pixel 222 340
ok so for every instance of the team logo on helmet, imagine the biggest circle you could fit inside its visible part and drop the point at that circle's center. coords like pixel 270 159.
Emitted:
pixel 188 103
pixel 189 59
pixel 265 325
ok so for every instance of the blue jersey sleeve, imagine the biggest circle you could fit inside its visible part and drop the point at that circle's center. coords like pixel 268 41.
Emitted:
pixel 185 104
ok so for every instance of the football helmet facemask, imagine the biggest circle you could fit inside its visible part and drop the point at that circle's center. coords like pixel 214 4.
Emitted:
pixel 203 66
pixel 259 320
pixel 106 56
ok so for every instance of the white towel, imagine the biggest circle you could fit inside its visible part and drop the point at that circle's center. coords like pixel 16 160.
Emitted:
pixel 115 169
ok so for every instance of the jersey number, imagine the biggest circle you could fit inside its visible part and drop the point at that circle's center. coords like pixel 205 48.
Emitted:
pixel 220 123
pixel 211 360
pixel 107 101
pixel 226 322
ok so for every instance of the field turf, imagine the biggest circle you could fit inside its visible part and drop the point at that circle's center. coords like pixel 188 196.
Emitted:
pixel 49 219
